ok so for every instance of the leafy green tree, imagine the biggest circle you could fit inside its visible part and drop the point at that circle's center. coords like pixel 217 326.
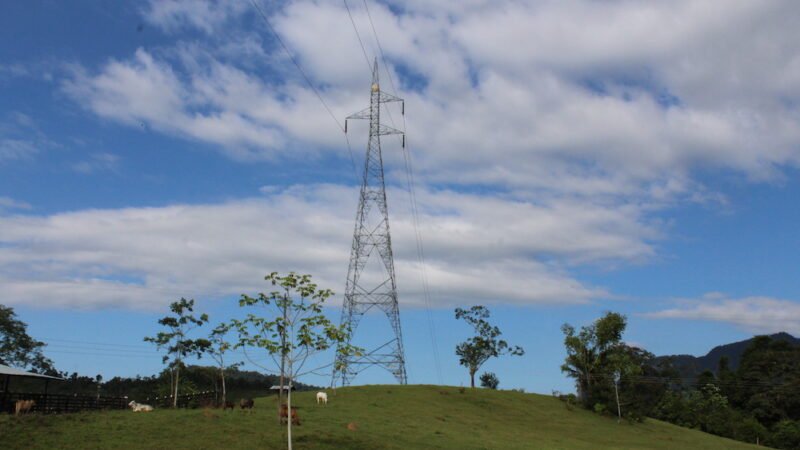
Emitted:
pixel 176 342
pixel 297 329
pixel 768 381
pixel 785 435
pixel 590 353
pixel 17 348
pixel 217 347
pixel 475 351
pixel 489 380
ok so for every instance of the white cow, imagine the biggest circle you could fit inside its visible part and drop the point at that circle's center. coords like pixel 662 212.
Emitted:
pixel 140 407
pixel 322 398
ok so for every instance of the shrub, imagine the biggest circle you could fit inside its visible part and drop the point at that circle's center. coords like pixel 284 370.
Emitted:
pixel 489 380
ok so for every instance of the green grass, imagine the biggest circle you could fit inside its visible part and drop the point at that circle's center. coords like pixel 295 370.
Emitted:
pixel 385 417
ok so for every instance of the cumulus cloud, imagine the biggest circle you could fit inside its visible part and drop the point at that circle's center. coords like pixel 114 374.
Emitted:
pixel 614 98
pixel 476 249
pixel 754 314
pixel 578 118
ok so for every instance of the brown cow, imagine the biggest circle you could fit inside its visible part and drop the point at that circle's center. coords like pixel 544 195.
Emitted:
pixel 23 406
pixel 285 415
pixel 227 405
pixel 246 403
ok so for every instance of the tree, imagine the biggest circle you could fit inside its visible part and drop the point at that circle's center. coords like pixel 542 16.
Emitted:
pixel 176 341
pixel 590 351
pixel 296 330
pixel 217 346
pixel 17 348
pixel 489 380
pixel 475 351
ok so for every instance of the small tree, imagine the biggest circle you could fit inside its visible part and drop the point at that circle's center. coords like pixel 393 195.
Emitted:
pixel 297 330
pixel 217 346
pixel 175 340
pixel 489 380
pixel 485 345
pixel 17 348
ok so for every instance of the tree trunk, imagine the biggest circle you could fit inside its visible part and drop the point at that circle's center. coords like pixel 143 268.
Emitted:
pixel 289 408
pixel 175 394
pixel 280 391
pixel 283 362
pixel 472 378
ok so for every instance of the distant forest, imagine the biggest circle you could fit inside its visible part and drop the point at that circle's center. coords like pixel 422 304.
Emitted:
pixel 239 383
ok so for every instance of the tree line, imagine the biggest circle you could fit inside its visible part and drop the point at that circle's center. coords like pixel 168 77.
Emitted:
pixel 759 402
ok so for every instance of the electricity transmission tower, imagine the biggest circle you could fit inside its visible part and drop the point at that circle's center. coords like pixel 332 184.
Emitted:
pixel 371 277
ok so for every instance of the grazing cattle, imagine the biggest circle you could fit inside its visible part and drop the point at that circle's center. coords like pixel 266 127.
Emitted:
pixel 23 406
pixel 139 407
pixel 246 403
pixel 227 405
pixel 322 398
pixel 285 415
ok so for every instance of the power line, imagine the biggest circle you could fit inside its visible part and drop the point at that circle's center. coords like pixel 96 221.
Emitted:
pixel 308 82
pixel 380 48
pixel 363 49
pixel 296 64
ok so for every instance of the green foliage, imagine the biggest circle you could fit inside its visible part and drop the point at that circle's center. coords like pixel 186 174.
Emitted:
pixel 475 351
pixel 594 354
pixel 175 340
pixel 785 435
pixel 17 348
pixel 297 328
pixel 489 380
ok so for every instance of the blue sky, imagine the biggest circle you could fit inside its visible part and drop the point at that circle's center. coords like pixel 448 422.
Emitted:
pixel 570 158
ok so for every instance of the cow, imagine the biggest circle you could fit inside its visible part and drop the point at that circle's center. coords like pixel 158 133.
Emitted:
pixel 285 415
pixel 23 406
pixel 246 403
pixel 139 407
pixel 322 398
pixel 227 404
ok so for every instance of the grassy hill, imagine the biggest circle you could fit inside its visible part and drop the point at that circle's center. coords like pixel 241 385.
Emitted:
pixel 380 417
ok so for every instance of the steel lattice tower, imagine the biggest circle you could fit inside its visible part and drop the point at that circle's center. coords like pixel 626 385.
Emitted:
pixel 371 276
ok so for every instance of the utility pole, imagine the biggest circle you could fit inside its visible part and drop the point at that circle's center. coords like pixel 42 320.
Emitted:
pixel 370 276
pixel 617 377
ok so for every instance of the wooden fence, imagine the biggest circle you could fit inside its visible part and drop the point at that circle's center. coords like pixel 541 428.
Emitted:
pixel 65 403
pixel 196 400
pixel 61 403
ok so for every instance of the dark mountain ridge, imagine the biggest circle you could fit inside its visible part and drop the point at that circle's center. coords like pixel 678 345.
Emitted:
pixel 689 366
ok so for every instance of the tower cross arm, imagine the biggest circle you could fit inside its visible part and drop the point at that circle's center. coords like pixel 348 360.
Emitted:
pixel 363 114
pixel 386 97
pixel 384 130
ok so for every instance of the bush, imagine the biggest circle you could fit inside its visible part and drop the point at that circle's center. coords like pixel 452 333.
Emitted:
pixel 489 380
pixel 785 435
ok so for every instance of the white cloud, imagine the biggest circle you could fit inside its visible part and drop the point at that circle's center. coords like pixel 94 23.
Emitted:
pixel 580 118
pixel 477 250
pixel 98 162
pixel 207 16
pixel 506 98
pixel 10 203
pixel 20 138
pixel 754 314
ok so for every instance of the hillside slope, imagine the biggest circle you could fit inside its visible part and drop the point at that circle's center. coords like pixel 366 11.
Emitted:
pixel 381 417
